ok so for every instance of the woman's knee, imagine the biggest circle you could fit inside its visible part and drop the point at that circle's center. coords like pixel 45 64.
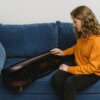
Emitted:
pixel 69 82
pixel 57 77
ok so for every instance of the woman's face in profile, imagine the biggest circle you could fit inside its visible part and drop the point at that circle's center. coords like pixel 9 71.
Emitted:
pixel 77 24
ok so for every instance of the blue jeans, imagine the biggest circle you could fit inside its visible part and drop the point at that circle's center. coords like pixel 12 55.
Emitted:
pixel 2 57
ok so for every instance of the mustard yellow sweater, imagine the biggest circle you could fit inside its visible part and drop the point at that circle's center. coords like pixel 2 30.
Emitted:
pixel 87 56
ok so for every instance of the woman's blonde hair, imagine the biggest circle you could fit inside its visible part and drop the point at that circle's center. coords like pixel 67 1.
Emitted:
pixel 90 24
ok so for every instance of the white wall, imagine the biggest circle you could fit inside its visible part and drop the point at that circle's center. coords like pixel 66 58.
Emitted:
pixel 40 11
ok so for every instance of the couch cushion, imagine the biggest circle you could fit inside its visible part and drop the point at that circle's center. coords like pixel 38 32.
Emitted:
pixel 28 40
pixel 66 35
pixel 2 57
pixel 11 61
pixel 43 85
pixel 28 96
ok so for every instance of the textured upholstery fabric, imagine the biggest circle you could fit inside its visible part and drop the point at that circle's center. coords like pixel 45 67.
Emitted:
pixel 28 40
pixel 66 36
pixel 24 41
pixel 2 57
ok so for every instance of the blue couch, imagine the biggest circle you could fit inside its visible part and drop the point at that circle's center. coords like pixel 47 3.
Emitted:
pixel 25 41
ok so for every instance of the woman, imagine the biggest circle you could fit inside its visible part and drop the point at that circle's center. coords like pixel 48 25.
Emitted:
pixel 70 80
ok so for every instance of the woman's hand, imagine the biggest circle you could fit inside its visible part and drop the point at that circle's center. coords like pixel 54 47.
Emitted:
pixel 63 67
pixel 57 51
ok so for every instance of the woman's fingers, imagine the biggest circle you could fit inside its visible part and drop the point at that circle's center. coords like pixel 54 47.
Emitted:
pixel 56 51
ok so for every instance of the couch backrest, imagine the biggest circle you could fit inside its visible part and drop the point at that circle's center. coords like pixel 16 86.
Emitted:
pixel 28 40
pixel 33 39
pixel 66 35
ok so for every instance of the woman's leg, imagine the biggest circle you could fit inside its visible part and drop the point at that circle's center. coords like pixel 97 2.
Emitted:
pixel 78 83
pixel 58 81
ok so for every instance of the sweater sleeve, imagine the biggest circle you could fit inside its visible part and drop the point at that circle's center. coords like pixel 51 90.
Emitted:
pixel 92 66
pixel 69 51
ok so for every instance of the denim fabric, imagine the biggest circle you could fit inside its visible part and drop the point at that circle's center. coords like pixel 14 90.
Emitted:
pixel 2 57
